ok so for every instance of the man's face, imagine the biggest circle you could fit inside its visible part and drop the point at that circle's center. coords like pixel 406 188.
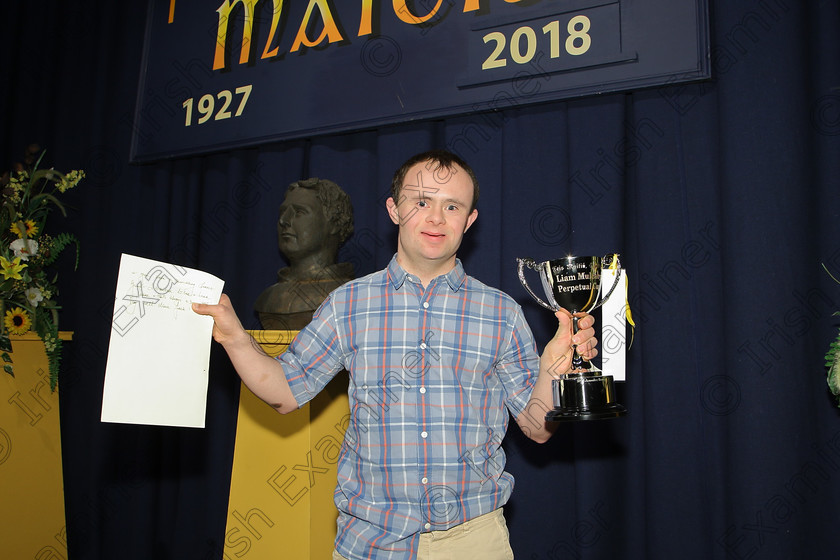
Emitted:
pixel 433 213
pixel 302 228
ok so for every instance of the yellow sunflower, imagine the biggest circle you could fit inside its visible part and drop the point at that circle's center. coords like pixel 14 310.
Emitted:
pixel 29 225
pixel 17 321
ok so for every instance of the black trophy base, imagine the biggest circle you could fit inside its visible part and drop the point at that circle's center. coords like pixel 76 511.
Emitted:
pixel 575 415
pixel 584 395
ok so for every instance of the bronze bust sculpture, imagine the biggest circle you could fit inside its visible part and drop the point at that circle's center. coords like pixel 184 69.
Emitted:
pixel 316 217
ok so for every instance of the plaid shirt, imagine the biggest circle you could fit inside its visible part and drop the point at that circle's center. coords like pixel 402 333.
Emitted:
pixel 432 373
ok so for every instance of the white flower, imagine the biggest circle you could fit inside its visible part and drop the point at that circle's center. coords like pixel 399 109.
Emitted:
pixel 24 252
pixel 33 296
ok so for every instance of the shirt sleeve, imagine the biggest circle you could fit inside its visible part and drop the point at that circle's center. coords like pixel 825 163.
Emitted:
pixel 315 356
pixel 519 365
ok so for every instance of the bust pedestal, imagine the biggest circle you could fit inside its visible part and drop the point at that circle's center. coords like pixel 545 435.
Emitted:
pixel 284 471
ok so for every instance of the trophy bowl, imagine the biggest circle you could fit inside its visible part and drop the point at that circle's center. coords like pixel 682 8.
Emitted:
pixel 574 284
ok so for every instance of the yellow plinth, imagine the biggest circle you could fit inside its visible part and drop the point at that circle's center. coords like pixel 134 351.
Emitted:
pixel 284 472
pixel 31 483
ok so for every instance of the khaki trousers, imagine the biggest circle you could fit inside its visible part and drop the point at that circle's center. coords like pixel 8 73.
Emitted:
pixel 484 537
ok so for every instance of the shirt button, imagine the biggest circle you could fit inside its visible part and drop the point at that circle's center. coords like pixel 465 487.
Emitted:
pixel 423 390
pixel 425 305
pixel 428 525
pixel 424 480
pixel 423 435
pixel 423 345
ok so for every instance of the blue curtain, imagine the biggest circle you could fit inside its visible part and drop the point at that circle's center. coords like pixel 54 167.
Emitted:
pixel 721 196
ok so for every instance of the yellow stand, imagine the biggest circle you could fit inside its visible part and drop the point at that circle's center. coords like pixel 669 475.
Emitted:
pixel 31 483
pixel 284 472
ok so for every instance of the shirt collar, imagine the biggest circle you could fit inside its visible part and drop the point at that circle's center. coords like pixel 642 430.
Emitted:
pixel 454 278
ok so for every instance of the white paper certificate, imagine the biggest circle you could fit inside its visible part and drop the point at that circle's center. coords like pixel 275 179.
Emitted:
pixel 159 353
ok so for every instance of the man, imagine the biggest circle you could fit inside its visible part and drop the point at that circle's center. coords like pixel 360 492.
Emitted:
pixel 437 361
pixel 316 217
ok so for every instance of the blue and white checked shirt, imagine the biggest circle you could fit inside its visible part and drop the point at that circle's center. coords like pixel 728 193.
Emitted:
pixel 433 374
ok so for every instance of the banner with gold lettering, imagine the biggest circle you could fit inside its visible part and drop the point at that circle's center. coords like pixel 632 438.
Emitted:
pixel 218 74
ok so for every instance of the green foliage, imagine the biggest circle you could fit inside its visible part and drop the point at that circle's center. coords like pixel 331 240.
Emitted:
pixel 832 358
pixel 59 243
pixel 832 362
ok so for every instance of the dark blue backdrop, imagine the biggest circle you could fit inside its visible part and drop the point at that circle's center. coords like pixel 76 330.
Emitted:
pixel 722 196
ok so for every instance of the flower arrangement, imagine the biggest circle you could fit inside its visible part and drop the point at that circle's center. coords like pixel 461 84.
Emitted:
pixel 28 288
pixel 832 358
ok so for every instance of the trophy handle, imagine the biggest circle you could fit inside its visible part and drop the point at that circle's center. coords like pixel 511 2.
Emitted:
pixel 611 258
pixel 530 263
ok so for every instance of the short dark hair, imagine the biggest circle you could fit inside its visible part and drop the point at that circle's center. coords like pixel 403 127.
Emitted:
pixel 335 202
pixel 439 159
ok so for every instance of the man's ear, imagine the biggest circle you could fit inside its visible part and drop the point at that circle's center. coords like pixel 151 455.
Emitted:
pixel 393 211
pixel 332 225
pixel 471 219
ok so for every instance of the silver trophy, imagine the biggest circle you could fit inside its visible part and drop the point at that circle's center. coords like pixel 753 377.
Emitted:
pixel 574 284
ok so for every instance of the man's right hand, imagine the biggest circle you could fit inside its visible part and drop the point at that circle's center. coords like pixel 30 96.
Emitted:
pixel 226 325
pixel 262 374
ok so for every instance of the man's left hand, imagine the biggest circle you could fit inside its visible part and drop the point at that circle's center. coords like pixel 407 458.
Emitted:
pixel 559 350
